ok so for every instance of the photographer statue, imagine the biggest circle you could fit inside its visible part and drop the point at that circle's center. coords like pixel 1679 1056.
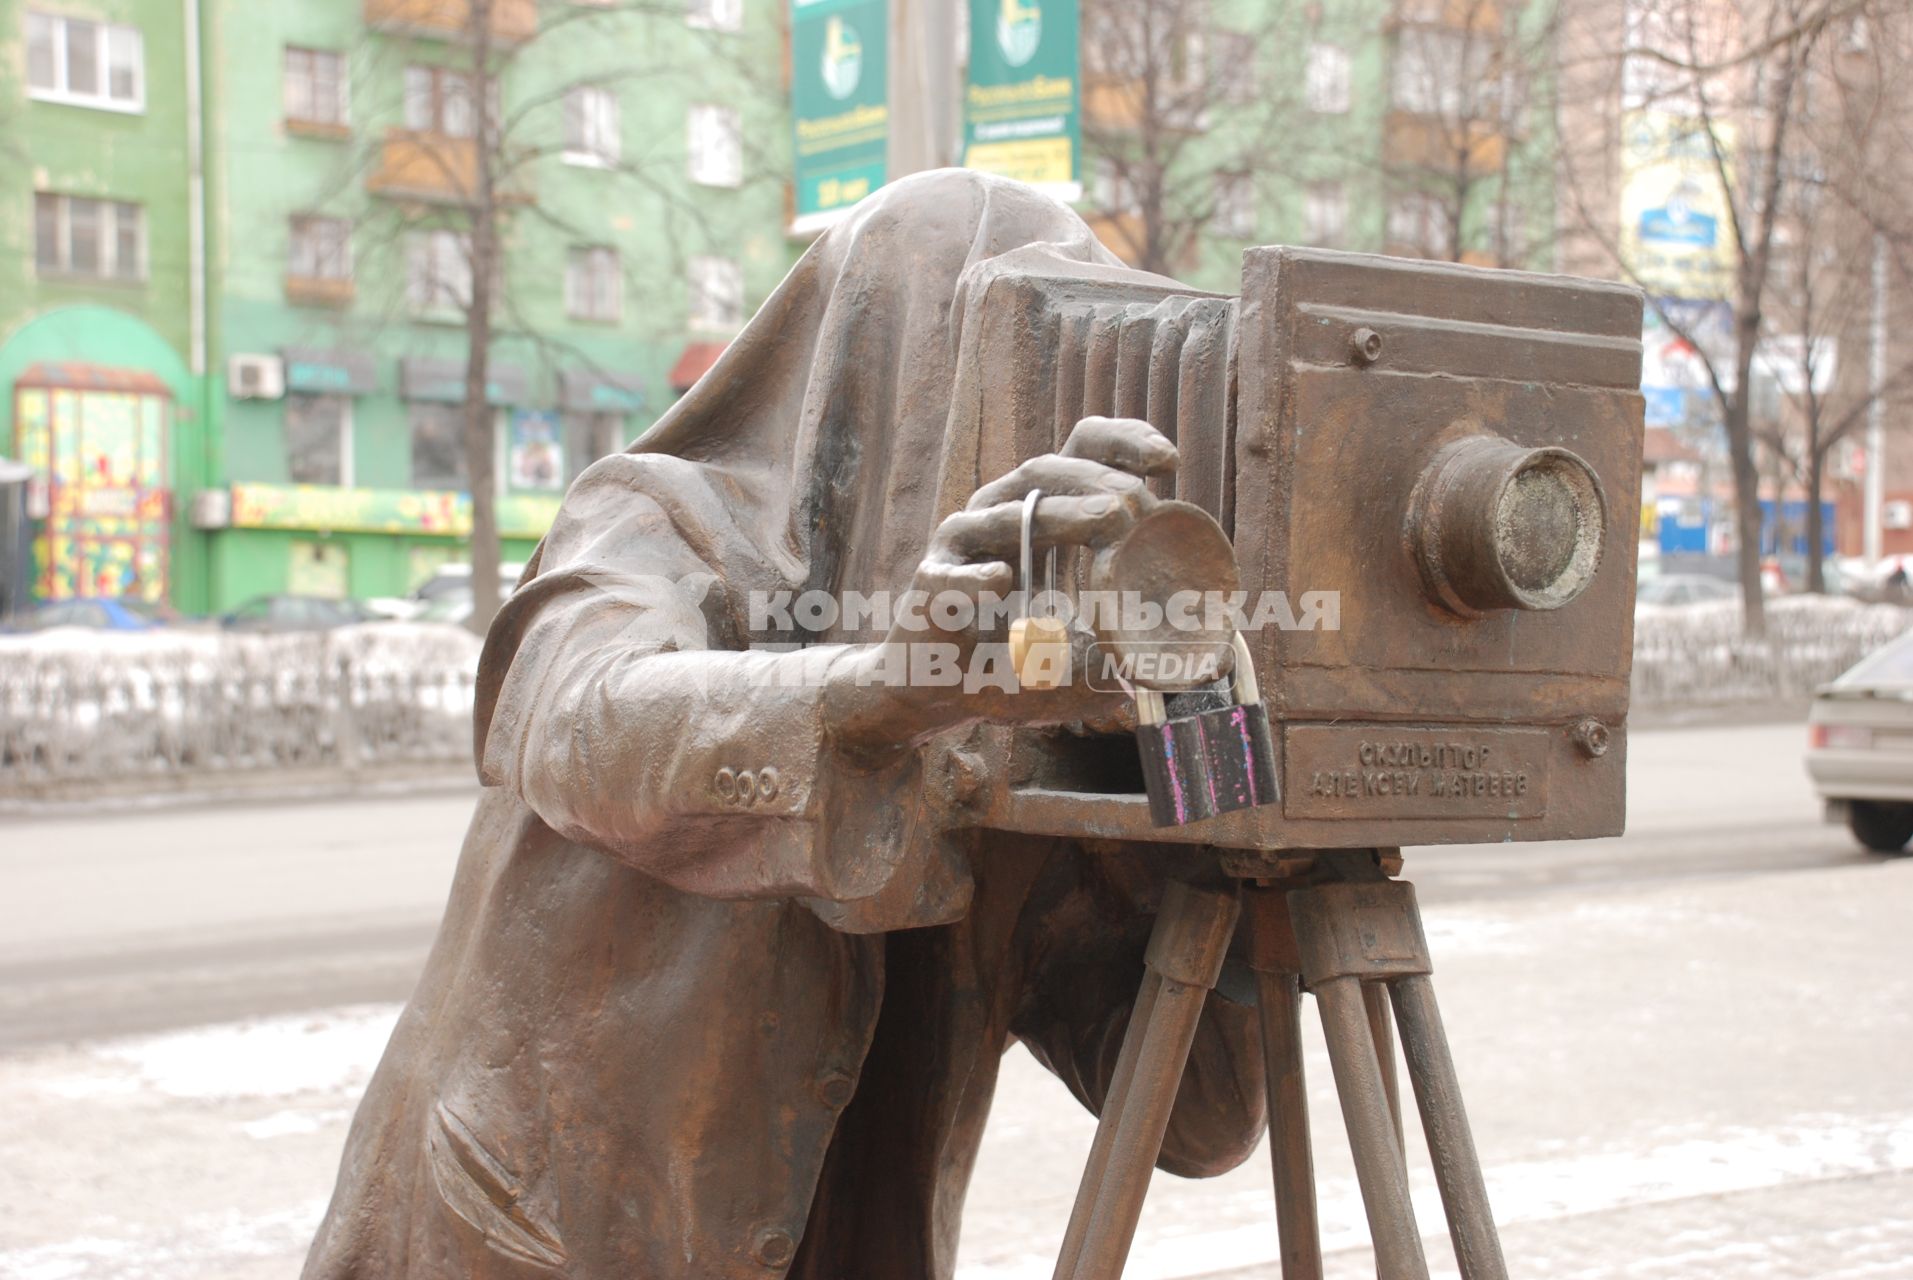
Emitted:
pixel 719 991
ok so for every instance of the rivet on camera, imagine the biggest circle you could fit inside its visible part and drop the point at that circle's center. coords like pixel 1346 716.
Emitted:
pixel 1365 345
pixel 774 1247
pixel 726 784
pixel 1591 736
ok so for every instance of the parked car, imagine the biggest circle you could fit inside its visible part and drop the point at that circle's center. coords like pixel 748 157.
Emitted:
pixel 295 613
pixel 1860 747
pixel 1677 589
pixel 102 613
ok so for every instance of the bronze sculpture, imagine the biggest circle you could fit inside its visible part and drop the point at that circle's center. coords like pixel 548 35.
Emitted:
pixel 740 932
pixel 670 1032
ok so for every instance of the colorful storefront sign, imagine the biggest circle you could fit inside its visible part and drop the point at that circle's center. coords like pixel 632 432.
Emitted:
pixel 840 108
pixel 1022 106
pixel 323 508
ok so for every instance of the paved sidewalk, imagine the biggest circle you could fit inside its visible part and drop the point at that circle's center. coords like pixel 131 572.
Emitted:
pixel 1690 1079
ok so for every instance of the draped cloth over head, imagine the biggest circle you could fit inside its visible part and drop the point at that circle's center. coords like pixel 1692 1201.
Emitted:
pixel 708 1003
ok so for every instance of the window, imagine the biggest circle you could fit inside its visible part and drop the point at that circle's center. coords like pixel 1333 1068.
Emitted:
pixel 1110 190
pixel 715 15
pixel 1235 205
pixel 594 285
pixel 717 146
pixel 315 87
pixel 1327 79
pixel 717 293
pixel 85 64
pixel 589 437
pixel 1445 72
pixel 1232 66
pixel 76 236
pixel 319 249
pixel 318 439
pixel 438 452
pixel 438 272
pixel 593 129
pixel 1325 214
pixel 1418 223
pixel 439 100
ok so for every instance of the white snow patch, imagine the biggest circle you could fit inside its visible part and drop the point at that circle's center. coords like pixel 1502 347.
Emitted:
pixel 282 1124
pixel 1808 1149
pixel 332 1052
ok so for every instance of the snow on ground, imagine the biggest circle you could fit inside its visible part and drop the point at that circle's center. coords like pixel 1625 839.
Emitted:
pixel 1680 1080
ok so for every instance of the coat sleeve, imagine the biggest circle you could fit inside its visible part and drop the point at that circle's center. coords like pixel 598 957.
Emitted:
pixel 603 703
pixel 1077 1010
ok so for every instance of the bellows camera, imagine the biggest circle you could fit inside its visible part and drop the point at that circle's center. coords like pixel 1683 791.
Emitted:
pixel 1437 467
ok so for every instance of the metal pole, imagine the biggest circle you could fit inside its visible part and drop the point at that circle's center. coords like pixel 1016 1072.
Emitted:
pixel 923 87
pixel 1876 414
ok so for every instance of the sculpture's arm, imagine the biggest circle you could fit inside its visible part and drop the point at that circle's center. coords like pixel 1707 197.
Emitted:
pixel 602 704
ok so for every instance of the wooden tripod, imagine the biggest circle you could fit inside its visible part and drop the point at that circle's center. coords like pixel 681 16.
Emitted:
pixel 1351 936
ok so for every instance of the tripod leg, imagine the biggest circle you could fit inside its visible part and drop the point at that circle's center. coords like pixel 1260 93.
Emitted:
pixel 1185 957
pixel 1381 1025
pixel 1279 998
pixel 1379 1167
pixel 1113 1106
pixel 1431 1068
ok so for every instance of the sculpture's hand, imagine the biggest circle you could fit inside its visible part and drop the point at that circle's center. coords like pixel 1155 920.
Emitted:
pixel 1092 493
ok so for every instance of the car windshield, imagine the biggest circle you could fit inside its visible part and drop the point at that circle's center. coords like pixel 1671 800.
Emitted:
pixel 1892 663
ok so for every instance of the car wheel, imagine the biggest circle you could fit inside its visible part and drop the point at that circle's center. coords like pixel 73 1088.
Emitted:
pixel 1883 828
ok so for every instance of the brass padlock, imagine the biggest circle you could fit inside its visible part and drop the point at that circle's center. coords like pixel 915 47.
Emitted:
pixel 1039 644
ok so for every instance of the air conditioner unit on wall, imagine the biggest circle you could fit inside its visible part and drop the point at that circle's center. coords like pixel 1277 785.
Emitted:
pixel 256 377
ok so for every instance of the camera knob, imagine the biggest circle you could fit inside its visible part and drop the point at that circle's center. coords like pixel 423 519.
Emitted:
pixel 1495 525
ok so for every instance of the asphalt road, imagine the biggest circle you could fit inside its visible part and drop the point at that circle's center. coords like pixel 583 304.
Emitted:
pixel 142 921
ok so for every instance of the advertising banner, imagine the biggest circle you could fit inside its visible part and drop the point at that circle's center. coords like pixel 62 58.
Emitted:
pixel 1676 229
pixel 1022 106
pixel 840 110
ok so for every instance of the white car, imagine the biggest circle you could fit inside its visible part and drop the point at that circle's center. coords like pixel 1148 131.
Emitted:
pixel 1860 747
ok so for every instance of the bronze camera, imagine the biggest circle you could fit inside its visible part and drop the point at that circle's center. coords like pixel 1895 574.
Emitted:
pixel 1451 453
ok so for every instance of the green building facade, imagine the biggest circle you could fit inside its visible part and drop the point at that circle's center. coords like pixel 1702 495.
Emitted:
pixel 306 439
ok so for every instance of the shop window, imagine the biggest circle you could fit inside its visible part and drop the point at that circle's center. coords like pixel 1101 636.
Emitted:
pixel 717 293
pixel 593 126
pixel 322 569
pixel 594 284
pixel 80 236
pixel 315 87
pixel 716 146
pixel 84 63
pixel 318 434
pixel 438 450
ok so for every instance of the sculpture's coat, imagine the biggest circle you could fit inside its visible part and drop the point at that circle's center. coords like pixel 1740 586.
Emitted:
pixel 670 1030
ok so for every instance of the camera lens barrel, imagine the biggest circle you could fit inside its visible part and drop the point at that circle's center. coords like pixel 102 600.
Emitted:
pixel 1496 525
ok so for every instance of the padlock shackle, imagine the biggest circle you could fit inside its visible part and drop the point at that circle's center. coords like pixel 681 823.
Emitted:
pixel 1247 689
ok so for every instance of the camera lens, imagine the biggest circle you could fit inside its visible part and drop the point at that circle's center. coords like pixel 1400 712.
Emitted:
pixel 1493 525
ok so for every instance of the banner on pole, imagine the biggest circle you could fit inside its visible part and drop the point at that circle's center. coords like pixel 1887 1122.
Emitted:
pixel 840 108
pixel 1022 107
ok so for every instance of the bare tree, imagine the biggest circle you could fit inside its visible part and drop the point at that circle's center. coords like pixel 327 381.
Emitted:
pixel 1846 239
pixel 1464 162
pixel 463 167
pixel 1182 124
pixel 1740 84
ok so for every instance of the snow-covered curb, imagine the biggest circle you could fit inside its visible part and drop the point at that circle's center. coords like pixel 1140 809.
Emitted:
pixel 86 705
